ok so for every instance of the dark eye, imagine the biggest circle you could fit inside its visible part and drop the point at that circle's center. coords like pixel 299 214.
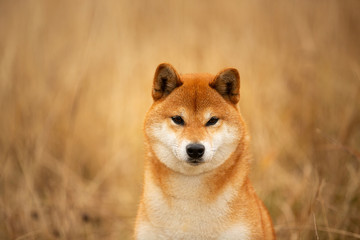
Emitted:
pixel 178 120
pixel 212 121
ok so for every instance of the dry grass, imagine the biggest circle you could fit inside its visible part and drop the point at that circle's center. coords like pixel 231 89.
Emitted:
pixel 75 80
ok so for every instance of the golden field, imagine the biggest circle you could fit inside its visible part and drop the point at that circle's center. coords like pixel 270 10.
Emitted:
pixel 75 83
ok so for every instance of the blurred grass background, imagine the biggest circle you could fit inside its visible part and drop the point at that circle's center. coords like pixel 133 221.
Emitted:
pixel 75 83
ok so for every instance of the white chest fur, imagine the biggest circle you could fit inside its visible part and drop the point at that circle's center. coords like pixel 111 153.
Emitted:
pixel 186 213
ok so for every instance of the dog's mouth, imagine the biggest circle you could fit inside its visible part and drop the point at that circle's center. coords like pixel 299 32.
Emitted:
pixel 195 161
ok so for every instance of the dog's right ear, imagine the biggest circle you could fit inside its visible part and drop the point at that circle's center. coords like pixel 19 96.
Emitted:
pixel 166 79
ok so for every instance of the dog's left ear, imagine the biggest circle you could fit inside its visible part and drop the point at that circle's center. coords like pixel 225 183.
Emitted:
pixel 227 83
pixel 166 79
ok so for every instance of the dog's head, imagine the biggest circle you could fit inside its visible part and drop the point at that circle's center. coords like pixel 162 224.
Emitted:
pixel 194 124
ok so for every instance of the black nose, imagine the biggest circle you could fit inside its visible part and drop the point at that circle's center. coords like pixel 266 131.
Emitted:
pixel 195 150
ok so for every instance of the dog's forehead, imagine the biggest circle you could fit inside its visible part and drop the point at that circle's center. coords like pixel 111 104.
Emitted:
pixel 194 97
pixel 196 94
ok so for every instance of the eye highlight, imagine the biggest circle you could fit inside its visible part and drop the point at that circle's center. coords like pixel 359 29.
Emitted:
pixel 178 120
pixel 212 121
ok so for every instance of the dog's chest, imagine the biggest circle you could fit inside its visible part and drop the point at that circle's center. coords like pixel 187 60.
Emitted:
pixel 185 213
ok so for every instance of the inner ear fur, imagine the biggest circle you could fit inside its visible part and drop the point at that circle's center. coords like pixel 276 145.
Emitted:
pixel 227 83
pixel 166 79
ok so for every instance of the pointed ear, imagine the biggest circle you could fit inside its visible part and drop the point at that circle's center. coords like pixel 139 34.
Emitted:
pixel 227 83
pixel 166 79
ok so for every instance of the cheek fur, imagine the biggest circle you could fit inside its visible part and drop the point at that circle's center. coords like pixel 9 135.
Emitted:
pixel 180 150
pixel 166 143
pixel 162 139
pixel 223 142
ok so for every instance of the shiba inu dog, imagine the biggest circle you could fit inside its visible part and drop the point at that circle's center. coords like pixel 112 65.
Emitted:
pixel 196 183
